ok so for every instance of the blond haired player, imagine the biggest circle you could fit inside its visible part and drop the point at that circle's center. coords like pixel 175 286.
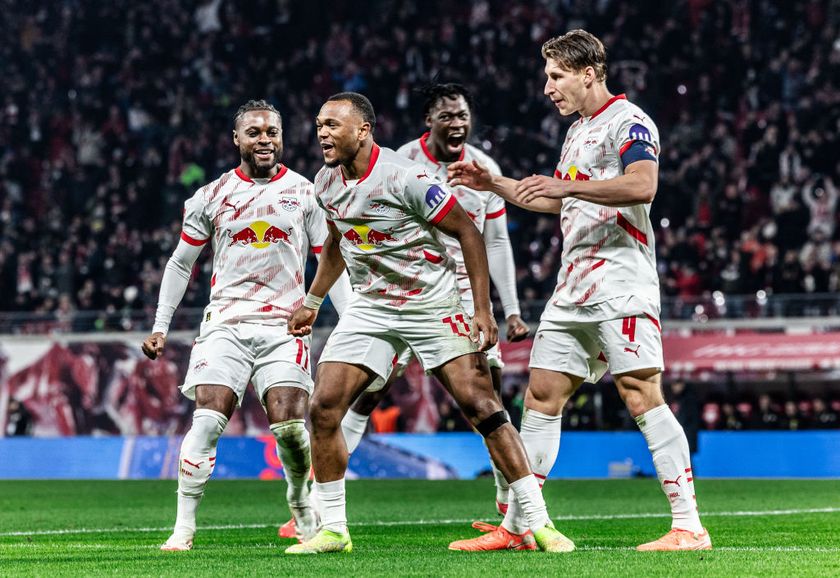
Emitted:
pixel 605 308
pixel 261 220
pixel 385 217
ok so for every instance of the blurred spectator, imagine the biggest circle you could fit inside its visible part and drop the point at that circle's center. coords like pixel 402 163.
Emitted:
pixel 451 418
pixel 792 418
pixel 766 415
pixel 823 416
pixel 18 419
pixel 387 417
pixel 110 116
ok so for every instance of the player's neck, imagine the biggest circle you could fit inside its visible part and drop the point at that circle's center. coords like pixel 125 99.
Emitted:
pixel 356 168
pixel 595 100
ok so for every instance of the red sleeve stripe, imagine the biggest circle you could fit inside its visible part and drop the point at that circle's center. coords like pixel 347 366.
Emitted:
pixel 557 174
pixel 330 222
pixel 317 249
pixel 497 214
pixel 632 229
pixel 444 211
pixel 191 241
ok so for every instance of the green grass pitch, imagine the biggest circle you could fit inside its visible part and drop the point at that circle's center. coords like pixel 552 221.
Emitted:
pixel 400 528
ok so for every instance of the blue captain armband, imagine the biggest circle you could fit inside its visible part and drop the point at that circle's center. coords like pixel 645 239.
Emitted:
pixel 637 150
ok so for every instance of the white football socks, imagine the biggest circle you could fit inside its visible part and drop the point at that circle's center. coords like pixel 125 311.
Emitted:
pixel 353 426
pixel 669 447
pixel 528 495
pixel 195 464
pixel 540 435
pixel 293 450
pixel 332 505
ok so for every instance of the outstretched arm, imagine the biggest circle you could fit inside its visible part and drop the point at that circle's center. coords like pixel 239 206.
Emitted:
pixel 476 176
pixel 636 186
pixel 503 274
pixel 176 277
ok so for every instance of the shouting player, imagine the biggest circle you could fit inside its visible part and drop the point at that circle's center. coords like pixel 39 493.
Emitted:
pixel 386 215
pixel 448 113
pixel 605 309
pixel 261 220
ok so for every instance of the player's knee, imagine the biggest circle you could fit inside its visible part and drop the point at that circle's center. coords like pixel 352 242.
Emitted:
pixel 207 425
pixel 325 414
pixel 478 409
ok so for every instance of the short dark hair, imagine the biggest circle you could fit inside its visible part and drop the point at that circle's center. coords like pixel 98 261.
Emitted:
pixel 435 92
pixel 361 105
pixel 255 105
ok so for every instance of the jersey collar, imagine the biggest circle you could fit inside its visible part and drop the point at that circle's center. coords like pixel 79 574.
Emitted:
pixel 282 170
pixel 607 104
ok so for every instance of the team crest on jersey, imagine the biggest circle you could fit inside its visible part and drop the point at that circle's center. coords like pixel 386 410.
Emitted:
pixel 640 132
pixel 289 204
pixel 434 196
pixel 589 143
pixel 378 208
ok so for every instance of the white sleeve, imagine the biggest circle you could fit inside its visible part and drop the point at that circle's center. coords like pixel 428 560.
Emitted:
pixel 500 258
pixel 176 276
pixel 341 293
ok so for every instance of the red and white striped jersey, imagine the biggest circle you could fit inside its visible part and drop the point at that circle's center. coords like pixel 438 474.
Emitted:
pixel 394 254
pixel 261 232
pixel 479 205
pixel 607 251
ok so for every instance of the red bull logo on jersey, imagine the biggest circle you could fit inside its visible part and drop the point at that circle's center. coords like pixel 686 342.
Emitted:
pixel 259 235
pixel 575 175
pixel 366 238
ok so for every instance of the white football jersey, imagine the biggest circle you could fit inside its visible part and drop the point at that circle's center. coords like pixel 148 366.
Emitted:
pixel 394 254
pixel 261 233
pixel 607 251
pixel 479 205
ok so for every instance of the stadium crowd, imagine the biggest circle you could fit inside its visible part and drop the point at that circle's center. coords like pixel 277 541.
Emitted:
pixel 112 115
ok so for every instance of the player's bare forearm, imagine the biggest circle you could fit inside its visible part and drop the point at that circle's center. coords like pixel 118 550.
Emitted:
pixel 476 176
pixel 636 186
pixel 331 265
pixel 457 224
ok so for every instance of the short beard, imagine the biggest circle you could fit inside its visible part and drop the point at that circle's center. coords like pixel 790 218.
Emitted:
pixel 260 172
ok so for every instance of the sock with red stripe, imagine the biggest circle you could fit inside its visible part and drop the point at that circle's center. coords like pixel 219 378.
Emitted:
pixel 541 437
pixel 669 448
pixel 195 464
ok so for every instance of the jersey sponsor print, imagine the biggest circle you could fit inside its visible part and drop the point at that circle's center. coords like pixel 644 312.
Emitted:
pixel 261 231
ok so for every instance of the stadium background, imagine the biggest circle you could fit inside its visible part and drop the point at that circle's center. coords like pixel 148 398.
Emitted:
pixel 113 113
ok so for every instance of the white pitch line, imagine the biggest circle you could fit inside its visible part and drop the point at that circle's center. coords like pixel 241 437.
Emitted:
pixel 746 513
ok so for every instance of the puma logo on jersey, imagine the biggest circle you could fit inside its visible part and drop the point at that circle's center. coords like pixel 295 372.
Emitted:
pixel 634 351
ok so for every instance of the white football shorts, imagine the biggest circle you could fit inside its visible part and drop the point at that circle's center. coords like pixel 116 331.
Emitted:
pixel 621 334
pixel 376 338
pixel 234 355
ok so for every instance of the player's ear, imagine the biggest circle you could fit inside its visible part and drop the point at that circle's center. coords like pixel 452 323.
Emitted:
pixel 588 76
pixel 235 138
pixel 428 121
pixel 364 131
